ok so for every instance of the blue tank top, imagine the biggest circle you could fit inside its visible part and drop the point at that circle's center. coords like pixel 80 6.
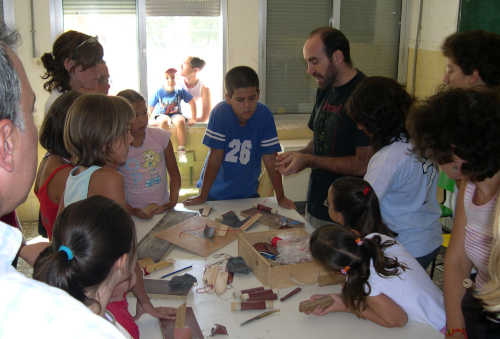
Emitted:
pixel 77 185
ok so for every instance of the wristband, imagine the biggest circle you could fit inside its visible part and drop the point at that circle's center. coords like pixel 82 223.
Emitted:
pixel 452 331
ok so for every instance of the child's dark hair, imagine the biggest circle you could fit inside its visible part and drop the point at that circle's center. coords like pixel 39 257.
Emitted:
pixel 131 96
pixel 380 105
pixel 52 130
pixel 338 248
pixel 197 62
pixel 240 77
pixel 356 200
pixel 97 232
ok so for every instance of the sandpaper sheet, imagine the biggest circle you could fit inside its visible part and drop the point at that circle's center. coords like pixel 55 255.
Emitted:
pixel 273 220
pixel 189 235
pixel 167 326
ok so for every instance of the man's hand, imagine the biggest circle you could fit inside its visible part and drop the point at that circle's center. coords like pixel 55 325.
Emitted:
pixel 291 162
pixel 198 200
pixel 286 203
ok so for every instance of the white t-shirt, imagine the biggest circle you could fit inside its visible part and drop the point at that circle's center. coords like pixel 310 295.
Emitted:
pixel 406 189
pixel 412 290
pixel 49 311
pixel 195 91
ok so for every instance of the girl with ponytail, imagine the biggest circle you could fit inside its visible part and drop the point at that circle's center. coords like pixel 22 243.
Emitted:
pixel 384 283
pixel 92 252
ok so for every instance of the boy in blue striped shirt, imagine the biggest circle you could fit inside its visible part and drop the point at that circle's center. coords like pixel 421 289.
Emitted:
pixel 240 132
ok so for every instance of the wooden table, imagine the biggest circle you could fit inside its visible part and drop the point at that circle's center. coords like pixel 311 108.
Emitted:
pixel 288 323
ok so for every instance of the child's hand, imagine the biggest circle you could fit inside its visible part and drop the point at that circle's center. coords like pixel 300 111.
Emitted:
pixel 191 122
pixel 337 306
pixel 286 203
pixel 168 206
pixel 157 312
pixel 198 200
pixel 140 213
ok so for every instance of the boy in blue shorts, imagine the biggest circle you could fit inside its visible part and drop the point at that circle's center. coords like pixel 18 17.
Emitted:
pixel 165 108
pixel 240 133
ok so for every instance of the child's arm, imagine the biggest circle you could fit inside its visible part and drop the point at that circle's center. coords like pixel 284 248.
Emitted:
pixel 458 267
pixel 214 161
pixel 194 114
pixel 380 309
pixel 275 176
pixel 140 213
pixel 206 104
pixel 174 178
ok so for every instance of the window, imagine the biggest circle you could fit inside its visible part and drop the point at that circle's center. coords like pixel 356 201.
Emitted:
pixel 178 29
pixel 372 27
pixel 143 38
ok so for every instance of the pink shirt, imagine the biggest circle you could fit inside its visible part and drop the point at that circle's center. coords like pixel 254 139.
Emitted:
pixel 145 171
pixel 478 233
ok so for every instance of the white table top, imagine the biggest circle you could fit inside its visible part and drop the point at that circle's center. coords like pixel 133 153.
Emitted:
pixel 288 323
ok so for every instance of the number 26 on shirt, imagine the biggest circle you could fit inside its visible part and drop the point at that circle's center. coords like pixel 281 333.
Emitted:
pixel 240 151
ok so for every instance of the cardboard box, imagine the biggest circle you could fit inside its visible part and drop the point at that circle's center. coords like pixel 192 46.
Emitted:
pixel 277 276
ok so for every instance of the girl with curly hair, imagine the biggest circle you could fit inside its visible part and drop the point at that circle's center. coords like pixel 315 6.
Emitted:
pixel 384 283
pixel 405 184
pixel 458 129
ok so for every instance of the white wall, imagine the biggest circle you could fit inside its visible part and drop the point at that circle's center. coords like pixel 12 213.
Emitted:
pixel 439 19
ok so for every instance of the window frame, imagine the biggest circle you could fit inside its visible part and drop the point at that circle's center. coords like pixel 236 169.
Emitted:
pixel 57 28
pixel 334 22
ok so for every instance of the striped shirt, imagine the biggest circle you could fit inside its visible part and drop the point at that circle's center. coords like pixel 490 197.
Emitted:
pixel 478 233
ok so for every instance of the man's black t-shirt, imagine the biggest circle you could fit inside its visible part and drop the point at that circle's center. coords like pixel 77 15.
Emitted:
pixel 335 135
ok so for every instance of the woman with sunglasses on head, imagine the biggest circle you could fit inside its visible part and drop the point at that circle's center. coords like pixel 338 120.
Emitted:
pixel 75 63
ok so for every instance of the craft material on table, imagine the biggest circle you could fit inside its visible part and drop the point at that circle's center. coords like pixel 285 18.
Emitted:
pixel 189 235
pixel 331 278
pixel 178 286
pixel 167 325
pixel 205 211
pixel 291 293
pixel 272 274
pixel 218 329
pixel 260 316
pixel 257 295
pixel 155 248
pixel 274 220
pixel 251 305
pixel 149 266
pixel 176 271
pixel 180 316
pixel 237 265
pixel 307 306
pixel 231 219
pixel 249 223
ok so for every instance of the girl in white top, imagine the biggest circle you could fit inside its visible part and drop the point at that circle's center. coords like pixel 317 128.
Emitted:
pixel 384 283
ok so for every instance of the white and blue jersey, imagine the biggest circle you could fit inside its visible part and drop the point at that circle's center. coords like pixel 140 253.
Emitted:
pixel 243 149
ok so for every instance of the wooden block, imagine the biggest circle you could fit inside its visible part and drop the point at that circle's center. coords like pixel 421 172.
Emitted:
pixel 221 230
pixel 180 316
pixel 250 221
pixel 150 266
pixel 307 306
pixel 206 211
pixel 189 235
pixel 168 325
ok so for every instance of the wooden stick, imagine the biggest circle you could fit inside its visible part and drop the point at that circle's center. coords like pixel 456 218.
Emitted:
pixel 180 316
pixel 307 306
pixel 250 222
pixel 295 291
